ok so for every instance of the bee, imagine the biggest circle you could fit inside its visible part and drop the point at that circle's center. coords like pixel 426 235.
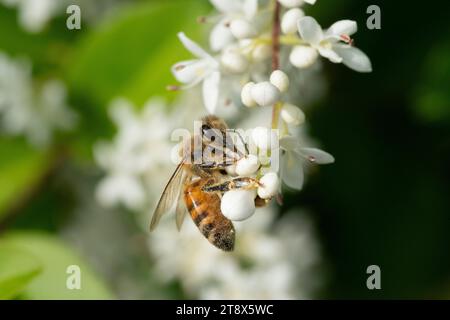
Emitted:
pixel 197 186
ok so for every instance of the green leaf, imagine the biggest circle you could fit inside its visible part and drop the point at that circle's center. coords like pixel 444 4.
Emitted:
pixel 130 55
pixel 17 269
pixel 55 258
pixel 20 168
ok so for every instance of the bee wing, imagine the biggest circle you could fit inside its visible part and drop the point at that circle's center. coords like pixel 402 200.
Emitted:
pixel 180 211
pixel 170 195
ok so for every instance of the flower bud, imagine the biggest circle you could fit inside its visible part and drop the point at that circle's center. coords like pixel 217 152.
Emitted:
pixel 303 56
pixel 290 20
pixel 246 95
pixel 264 138
pixel 291 3
pixel 292 114
pixel 238 205
pixel 247 165
pixel 242 29
pixel 234 62
pixel 261 52
pixel 269 185
pixel 265 93
pixel 280 80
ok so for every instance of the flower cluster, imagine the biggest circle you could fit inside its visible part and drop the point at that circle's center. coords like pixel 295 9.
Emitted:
pixel 272 260
pixel 247 35
pixel 34 110
pixel 137 153
pixel 243 40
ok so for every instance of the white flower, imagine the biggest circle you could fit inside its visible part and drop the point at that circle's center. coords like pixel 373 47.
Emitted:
pixel 329 43
pixel 139 151
pixel 293 159
pixel 264 138
pixel 234 23
pixel 292 114
pixel 247 166
pixel 203 69
pixel 282 258
pixel 246 95
pixel 295 3
pixel 242 29
pixel 303 56
pixel 233 61
pixel 121 188
pixel 269 185
pixel 280 80
pixel 265 94
pixel 290 19
pixel 35 112
pixel 238 205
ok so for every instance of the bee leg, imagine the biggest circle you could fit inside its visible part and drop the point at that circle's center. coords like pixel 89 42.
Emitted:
pixel 216 165
pixel 233 184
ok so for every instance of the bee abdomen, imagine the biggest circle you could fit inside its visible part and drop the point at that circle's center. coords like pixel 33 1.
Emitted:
pixel 204 209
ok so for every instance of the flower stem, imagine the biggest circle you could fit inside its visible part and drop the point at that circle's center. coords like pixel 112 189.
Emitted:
pixel 276 57
pixel 276 37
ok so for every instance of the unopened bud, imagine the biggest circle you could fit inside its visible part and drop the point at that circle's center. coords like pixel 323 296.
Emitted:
pixel 242 29
pixel 234 62
pixel 269 185
pixel 292 114
pixel 303 56
pixel 265 93
pixel 246 95
pixel 280 80
pixel 290 20
pixel 238 205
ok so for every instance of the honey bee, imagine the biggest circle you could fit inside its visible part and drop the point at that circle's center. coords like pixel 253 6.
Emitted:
pixel 200 184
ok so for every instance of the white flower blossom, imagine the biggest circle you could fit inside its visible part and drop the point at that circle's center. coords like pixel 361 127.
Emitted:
pixel 235 21
pixel 271 260
pixel 140 149
pixel 295 3
pixel 293 159
pixel 203 69
pixel 330 44
pixel 27 109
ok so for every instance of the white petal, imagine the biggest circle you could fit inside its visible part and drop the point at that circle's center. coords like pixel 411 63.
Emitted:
pixel 191 71
pixel 250 8
pixel 226 6
pixel 211 91
pixel 330 55
pixel 318 156
pixel 347 27
pixel 310 30
pixel 354 58
pixel 292 170
pixel 289 143
pixel 310 1
pixel 193 47
pixel 220 37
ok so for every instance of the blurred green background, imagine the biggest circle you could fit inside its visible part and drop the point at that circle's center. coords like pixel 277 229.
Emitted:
pixel 386 200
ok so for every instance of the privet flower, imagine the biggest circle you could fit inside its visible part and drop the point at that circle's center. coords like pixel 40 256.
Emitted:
pixel 203 69
pixel 335 43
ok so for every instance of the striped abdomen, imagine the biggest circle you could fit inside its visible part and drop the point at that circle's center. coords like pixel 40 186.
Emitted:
pixel 204 208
